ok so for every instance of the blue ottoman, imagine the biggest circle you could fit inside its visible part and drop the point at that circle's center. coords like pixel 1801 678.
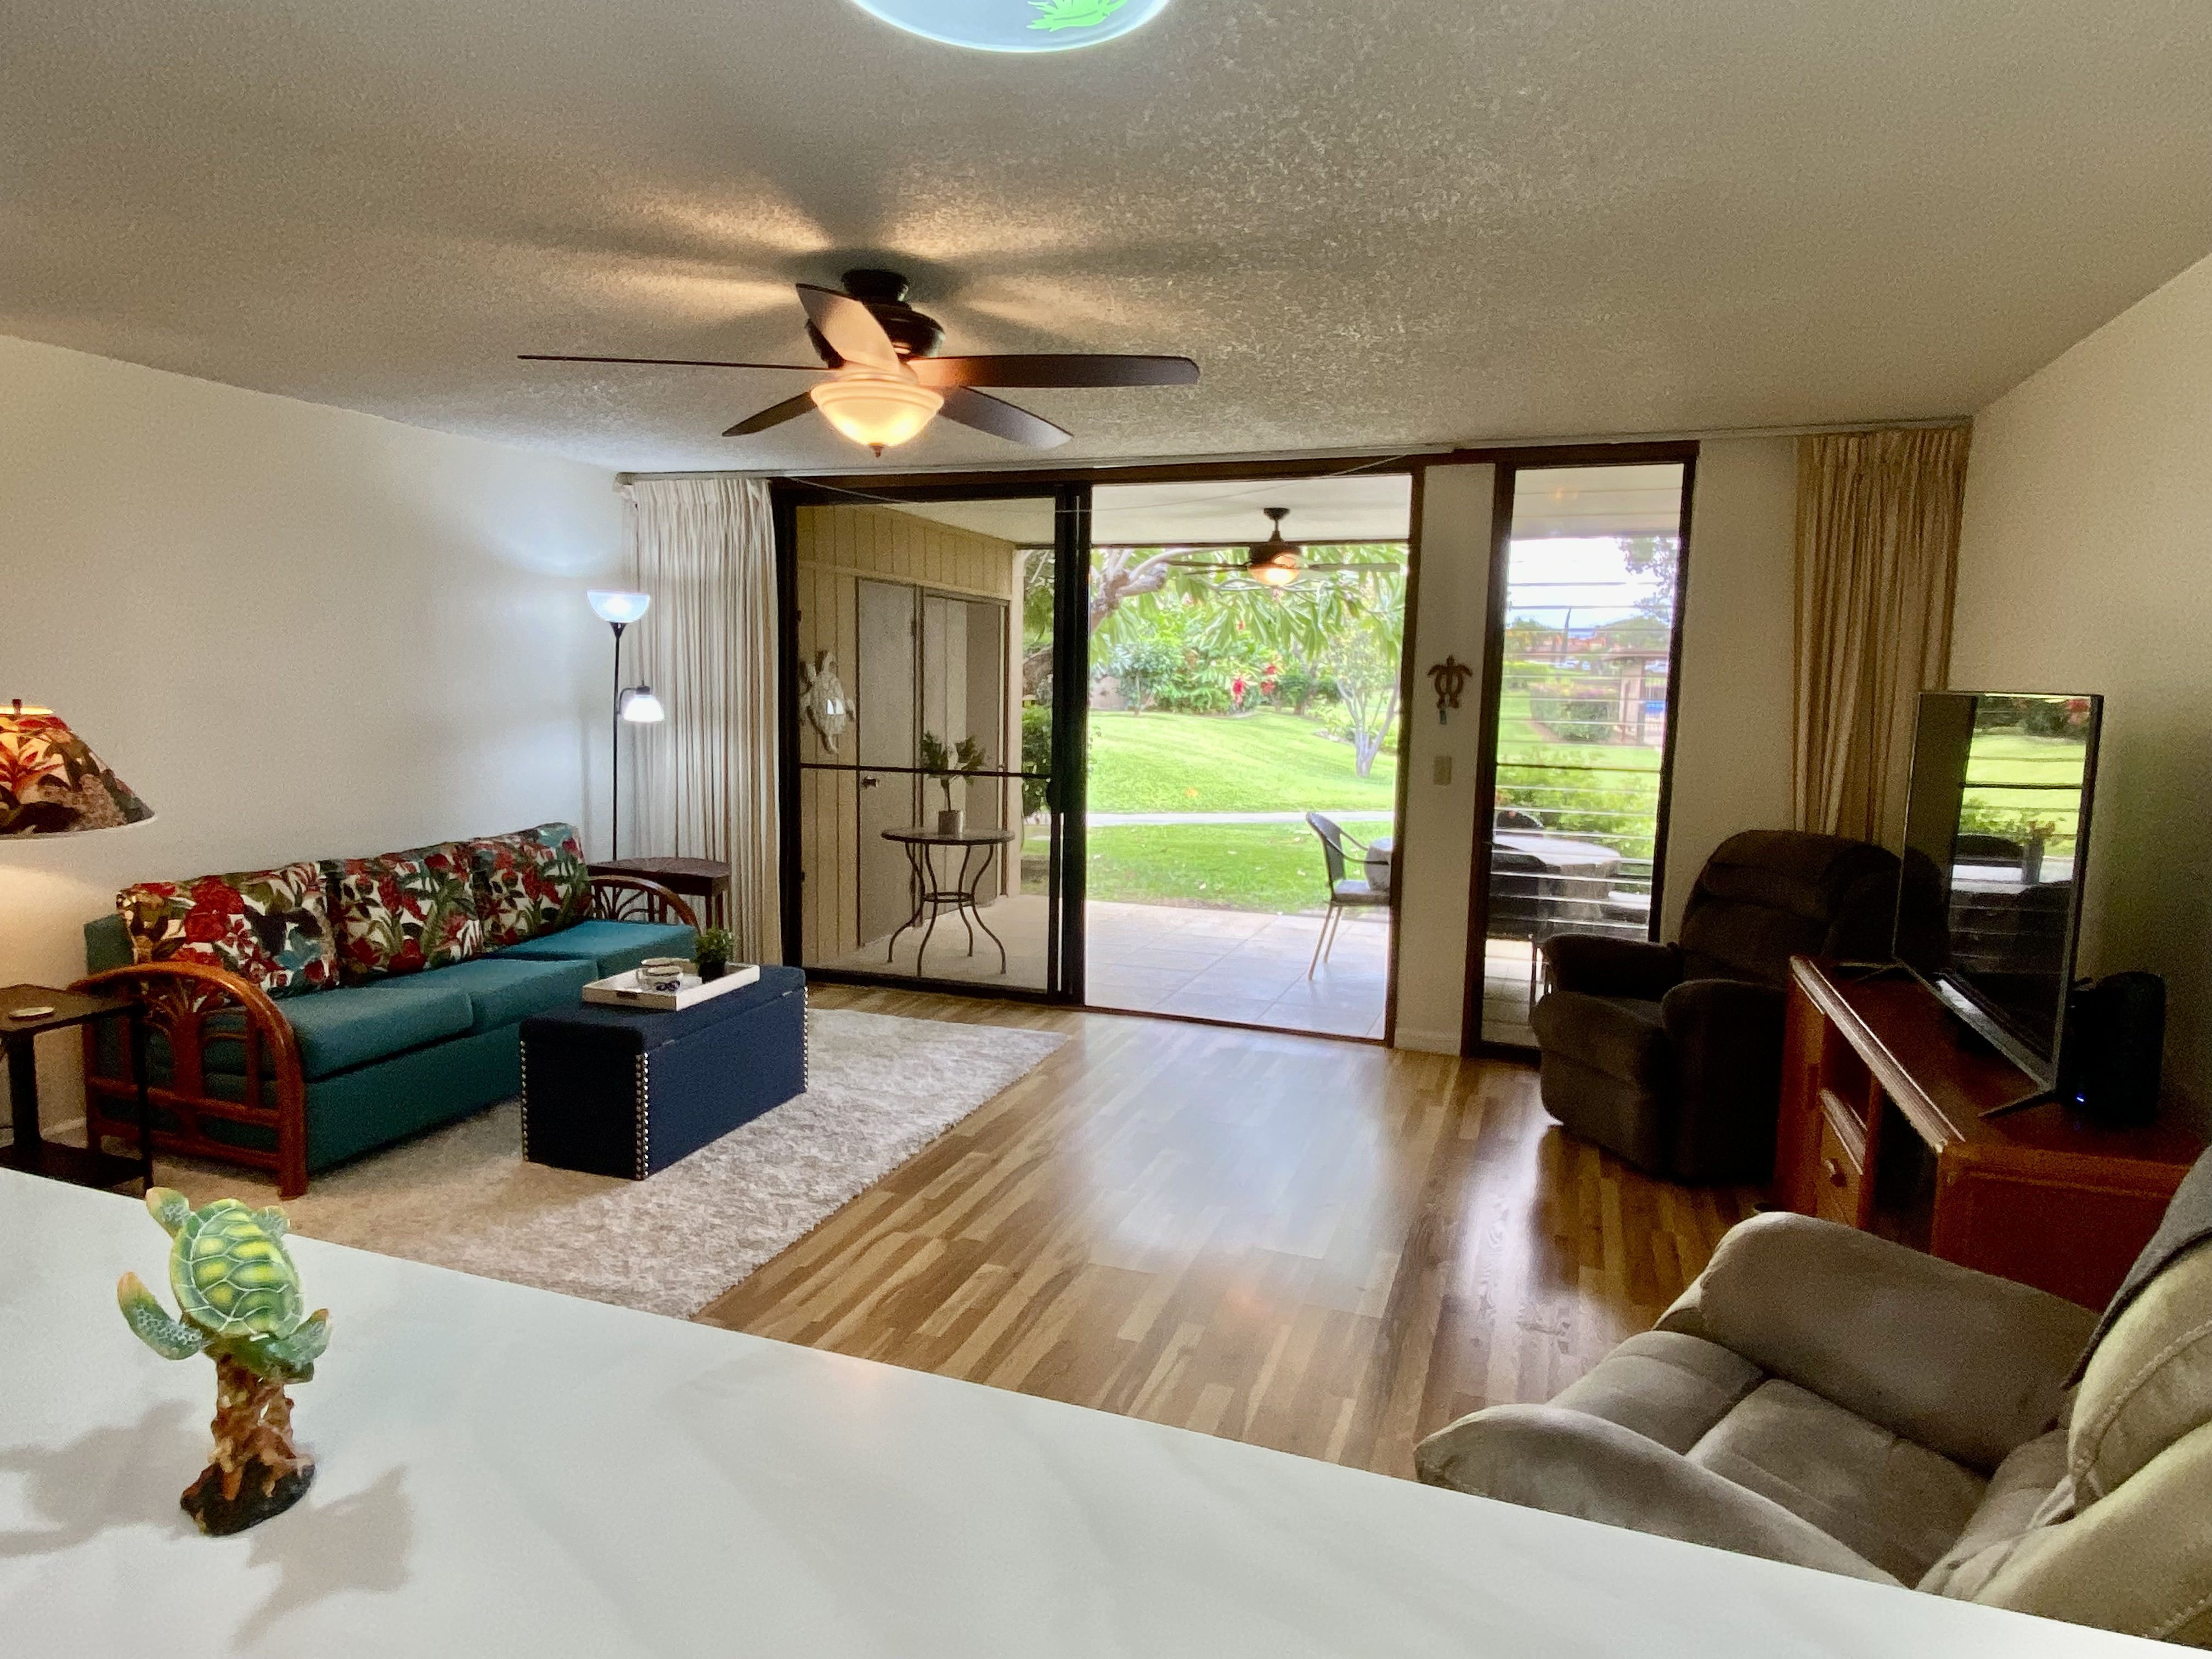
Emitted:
pixel 626 1091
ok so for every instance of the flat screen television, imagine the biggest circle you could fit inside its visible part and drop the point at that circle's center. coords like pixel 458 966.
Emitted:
pixel 1997 833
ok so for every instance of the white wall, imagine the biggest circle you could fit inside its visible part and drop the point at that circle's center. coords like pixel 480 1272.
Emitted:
pixel 1437 834
pixel 1732 724
pixel 1732 709
pixel 295 631
pixel 2084 564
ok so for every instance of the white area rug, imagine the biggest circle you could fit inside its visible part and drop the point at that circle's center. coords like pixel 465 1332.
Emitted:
pixel 881 1089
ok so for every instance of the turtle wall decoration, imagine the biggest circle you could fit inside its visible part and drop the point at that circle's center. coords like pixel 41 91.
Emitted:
pixel 823 698
pixel 238 1295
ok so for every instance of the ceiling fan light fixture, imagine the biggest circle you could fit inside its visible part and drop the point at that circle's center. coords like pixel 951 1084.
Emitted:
pixel 1279 570
pixel 880 410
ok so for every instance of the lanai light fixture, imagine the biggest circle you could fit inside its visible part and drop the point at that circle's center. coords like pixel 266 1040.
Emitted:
pixel 1017 24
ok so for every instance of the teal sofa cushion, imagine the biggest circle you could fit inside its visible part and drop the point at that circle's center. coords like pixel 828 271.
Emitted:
pixel 614 947
pixel 507 989
pixel 351 1026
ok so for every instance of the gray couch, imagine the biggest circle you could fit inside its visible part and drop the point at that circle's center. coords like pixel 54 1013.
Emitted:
pixel 1824 1397
pixel 1670 1055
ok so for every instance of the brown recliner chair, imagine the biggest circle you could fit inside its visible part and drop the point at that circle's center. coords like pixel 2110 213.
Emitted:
pixel 1670 1055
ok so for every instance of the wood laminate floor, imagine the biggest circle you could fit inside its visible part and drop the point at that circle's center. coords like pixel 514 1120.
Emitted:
pixel 1327 1248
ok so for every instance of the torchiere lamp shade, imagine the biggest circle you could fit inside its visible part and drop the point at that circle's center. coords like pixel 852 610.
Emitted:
pixel 51 785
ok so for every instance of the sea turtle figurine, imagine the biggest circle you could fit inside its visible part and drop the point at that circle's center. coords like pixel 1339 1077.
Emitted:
pixel 239 1296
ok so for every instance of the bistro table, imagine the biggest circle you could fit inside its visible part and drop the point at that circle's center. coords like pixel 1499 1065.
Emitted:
pixel 501 1471
pixel 28 1009
pixel 960 896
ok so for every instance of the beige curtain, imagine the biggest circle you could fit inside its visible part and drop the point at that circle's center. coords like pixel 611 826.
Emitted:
pixel 1877 558
pixel 706 777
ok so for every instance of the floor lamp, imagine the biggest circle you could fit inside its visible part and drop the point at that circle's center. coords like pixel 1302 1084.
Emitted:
pixel 636 703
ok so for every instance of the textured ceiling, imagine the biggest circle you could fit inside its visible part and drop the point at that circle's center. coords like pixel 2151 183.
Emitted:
pixel 1393 223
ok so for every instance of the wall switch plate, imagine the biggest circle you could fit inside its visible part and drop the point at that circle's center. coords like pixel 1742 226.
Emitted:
pixel 1442 767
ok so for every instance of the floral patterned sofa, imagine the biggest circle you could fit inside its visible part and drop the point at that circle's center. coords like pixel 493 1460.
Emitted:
pixel 302 1016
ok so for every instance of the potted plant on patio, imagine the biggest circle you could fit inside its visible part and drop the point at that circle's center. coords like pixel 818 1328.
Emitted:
pixel 966 758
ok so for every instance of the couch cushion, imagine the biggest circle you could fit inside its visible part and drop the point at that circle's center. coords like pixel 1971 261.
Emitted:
pixel 504 989
pixel 1671 1389
pixel 2139 1560
pixel 530 882
pixel 1897 1504
pixel 1961 1362
pixel 614 946
pixel 2149 1381
pixel 355 1024
pixel 404 913
pixel 271 926
pixel 2029 1488
pixel 1620 1037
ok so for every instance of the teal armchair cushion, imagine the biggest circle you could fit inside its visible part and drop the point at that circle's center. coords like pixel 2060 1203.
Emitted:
pixel 613 947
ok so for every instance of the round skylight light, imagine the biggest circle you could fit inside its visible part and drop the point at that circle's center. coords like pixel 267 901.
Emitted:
pixel 1017 24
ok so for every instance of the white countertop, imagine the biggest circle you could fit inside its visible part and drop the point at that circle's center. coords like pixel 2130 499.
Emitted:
pixel 507 1472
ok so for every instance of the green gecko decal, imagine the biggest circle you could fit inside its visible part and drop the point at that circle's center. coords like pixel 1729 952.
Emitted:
pixel 1074 14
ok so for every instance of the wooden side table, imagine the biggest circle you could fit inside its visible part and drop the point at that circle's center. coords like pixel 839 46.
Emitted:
pixel 30 1152
pixel 705 879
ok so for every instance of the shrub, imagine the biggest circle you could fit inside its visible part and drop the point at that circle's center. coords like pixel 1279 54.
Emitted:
pixel 1036 756
pixel 1142 665
pixel 1575 713
pixel 1615 807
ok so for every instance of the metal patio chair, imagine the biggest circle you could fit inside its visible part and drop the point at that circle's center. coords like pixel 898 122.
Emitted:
pixel 1344 892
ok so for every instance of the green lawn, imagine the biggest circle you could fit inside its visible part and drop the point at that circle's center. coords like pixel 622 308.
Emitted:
pixel 1262 763
pixel 1999 758
pixel 1231 866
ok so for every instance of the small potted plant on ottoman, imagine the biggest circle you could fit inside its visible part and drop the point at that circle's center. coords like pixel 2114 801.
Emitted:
pixel 714 952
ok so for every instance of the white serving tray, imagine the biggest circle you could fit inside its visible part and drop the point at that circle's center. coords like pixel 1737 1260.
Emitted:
pixel 622 990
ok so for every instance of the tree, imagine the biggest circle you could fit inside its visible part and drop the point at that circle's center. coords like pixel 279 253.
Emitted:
pixel 1117 575
pixel 1659 557
pixel 1363 659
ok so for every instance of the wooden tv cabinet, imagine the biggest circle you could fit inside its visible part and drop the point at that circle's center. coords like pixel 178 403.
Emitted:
pixel 1882 1092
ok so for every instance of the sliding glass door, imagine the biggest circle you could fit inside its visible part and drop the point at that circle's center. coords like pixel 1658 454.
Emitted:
pixel 1586 614
pixel 1246 637
pixel 927 827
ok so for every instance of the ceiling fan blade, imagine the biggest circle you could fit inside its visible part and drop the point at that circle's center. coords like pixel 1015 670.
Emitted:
pixel 1054 369
pixel 776 415
pixel 850 327
pixel 1353 566
pixel 1001 419
pixel 665 362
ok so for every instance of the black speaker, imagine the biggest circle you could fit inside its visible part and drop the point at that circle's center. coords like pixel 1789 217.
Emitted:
pixel 2115 1045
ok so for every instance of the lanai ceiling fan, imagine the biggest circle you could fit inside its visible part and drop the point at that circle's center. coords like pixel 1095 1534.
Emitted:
pixel 1275 561
pixel 885 383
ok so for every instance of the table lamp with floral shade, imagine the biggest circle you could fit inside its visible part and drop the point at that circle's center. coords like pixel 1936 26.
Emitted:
pixel 52 784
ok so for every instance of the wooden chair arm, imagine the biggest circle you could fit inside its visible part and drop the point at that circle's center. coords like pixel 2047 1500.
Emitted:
pixel 179 998
pixel 635 898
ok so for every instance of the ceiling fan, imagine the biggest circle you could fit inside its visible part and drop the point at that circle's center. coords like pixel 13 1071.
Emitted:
pixel 1275 561
pixel 884 384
